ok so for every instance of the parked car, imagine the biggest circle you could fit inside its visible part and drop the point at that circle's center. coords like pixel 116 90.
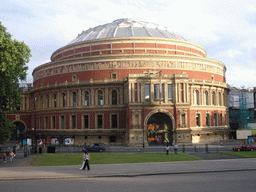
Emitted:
pixel 244 148
pixel 96 147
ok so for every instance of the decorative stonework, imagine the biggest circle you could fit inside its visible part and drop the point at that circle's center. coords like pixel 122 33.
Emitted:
pixel 128 65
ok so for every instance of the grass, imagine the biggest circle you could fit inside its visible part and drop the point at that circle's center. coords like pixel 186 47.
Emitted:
pixel 60 159
pixel 245 154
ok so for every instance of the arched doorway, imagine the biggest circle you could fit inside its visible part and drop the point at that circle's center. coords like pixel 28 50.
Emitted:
pixel 19 131
pixel 159 129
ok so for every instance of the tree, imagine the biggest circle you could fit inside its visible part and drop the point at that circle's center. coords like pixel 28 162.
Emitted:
pixel 13 58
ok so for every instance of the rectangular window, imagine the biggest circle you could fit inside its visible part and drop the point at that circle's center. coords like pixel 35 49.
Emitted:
pixel 73 121
pixel 198 120
pixel 158 92
pixel 147 91
pixel 207 120
pixel 169 91
pixel 63 99
pixel 62 122
pixel 53 122
pixel 183 119
pixel 114 120
pixel 47 101
pixel 99 121
pixel 46 123
pixel 113 75
pixel 215 119
pixel 40 123
pixel 86 121
pixel 54 100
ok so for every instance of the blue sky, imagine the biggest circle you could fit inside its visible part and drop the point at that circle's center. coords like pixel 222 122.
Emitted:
pixel 226 29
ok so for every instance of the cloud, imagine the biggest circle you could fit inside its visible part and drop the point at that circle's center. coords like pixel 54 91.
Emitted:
pixel 230 53
pixel 247 76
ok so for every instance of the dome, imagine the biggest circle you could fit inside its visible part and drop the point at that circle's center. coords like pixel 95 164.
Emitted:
pixel 126 28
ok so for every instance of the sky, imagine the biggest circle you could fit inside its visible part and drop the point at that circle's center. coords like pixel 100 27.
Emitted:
pixel 225 28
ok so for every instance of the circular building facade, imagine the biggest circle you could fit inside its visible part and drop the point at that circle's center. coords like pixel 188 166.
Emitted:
pixel 132 83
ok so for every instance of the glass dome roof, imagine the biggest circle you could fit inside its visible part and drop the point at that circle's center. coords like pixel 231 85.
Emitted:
pixel 126 28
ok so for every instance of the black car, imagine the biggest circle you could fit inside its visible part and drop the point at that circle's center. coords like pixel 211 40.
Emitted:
pixel 96 147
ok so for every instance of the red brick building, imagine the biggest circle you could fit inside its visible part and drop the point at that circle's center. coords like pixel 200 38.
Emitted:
pixel 127 82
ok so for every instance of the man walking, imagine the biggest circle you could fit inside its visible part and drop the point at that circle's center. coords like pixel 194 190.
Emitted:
pixel 176 148
pixel 86 157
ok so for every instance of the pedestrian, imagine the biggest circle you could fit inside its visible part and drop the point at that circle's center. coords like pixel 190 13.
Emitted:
pixel 167 150
pixel 11 155
pixel 176 148
pixel 4 157
pixel 86 158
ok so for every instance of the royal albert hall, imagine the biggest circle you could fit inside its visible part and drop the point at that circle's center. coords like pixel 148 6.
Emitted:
pixel 128 83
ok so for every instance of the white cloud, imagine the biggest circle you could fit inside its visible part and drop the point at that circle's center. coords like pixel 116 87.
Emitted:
pixel 230 53
pixel 246 75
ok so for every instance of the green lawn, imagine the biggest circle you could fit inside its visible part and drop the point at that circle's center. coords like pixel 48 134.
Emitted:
pixel 59 159
pixel 245 154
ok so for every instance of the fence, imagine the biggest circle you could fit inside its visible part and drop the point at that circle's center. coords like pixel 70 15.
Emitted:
pixel 152 149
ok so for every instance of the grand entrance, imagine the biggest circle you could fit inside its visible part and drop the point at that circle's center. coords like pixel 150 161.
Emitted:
pixel 159 129
pixel 19 131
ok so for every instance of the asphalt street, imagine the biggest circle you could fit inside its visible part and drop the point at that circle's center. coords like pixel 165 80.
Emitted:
pixel 126 170
pixel 196 182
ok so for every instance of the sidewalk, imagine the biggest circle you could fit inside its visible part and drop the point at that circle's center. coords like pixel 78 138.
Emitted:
pixel 126 170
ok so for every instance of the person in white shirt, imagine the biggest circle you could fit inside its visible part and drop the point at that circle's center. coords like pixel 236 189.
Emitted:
pixel 86 157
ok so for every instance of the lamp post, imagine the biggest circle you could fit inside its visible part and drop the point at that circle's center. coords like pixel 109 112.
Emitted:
pixel 143 120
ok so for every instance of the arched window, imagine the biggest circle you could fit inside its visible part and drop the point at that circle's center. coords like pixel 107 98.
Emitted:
pixel 114 97
pixel 74 99
pixel 206 98
pixel 63 100
pixel 196 97
pixel 100 97
pixel 86 98
pixel 213 98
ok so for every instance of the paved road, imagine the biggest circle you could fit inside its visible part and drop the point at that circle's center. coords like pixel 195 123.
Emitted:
pixel 196 182
pixel 127 170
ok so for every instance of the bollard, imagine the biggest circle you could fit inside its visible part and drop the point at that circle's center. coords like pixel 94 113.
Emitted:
pixel 167 150
pixel 195 148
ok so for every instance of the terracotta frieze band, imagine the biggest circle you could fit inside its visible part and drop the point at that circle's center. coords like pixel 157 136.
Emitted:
pixel 127 65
